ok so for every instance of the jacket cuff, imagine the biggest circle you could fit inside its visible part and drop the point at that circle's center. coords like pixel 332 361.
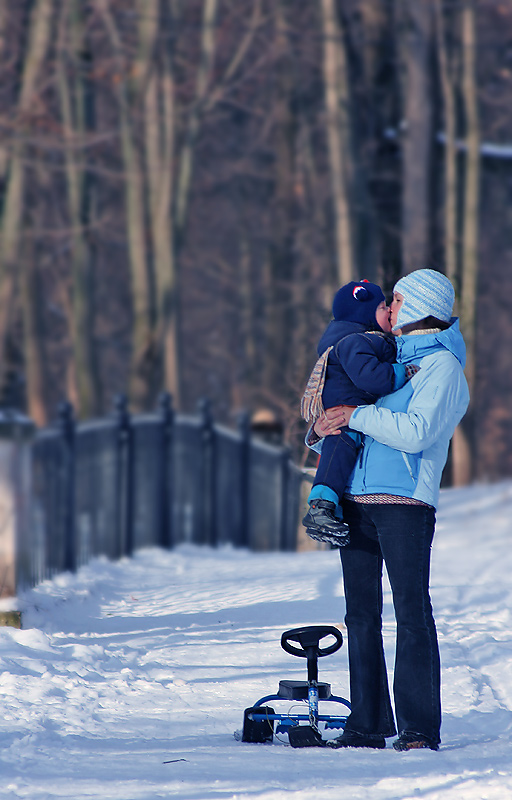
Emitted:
pixel 353 418
pixel 400 376
pixel 313 441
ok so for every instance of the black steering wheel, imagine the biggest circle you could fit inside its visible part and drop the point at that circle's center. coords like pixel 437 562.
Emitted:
pixel 309 639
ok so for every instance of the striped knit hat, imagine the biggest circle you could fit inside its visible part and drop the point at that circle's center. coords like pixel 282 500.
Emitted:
pixel 426 293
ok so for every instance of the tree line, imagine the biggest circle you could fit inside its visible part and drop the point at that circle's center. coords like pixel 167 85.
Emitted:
pixel 185 183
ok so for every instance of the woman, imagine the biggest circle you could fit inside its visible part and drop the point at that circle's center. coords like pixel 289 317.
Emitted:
pixel 390 510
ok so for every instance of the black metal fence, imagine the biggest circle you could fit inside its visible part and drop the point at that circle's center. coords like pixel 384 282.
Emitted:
pixel 113 485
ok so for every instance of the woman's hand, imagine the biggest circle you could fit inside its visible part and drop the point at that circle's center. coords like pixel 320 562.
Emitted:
pixel 332 420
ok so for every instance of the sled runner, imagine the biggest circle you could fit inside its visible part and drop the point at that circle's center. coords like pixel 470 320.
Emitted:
pixel 259 720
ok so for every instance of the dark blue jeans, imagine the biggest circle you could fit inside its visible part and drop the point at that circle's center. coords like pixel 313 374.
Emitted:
pixel 339 454
pixel 401 537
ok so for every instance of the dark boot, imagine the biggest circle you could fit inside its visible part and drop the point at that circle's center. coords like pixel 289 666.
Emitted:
pixel 322 525
pixel 349 739
pixel 414 741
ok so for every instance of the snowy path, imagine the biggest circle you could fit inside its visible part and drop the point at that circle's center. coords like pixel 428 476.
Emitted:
pixel 129 679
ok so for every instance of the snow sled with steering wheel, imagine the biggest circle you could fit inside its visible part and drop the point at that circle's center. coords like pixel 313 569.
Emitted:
pixel 304 730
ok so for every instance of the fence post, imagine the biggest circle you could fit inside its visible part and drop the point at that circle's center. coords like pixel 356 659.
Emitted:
pixel 166 496
pixel 244 429
pixel 285 500
pixel 209 504
pixel 16 434
pixel 125 478
pixel 66 416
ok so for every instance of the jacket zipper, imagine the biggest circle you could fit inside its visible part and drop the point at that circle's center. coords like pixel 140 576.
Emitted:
pixel 408 466
pixel 361 465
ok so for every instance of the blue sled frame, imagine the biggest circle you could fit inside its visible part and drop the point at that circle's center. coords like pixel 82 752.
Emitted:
pixel 260 719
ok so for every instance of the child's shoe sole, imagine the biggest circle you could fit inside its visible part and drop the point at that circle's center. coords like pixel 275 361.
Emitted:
pixel 340 540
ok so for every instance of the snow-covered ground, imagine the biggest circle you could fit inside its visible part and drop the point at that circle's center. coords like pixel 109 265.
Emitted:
pixel 128 680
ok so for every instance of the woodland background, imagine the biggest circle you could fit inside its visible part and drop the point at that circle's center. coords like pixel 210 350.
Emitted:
pixel 185 183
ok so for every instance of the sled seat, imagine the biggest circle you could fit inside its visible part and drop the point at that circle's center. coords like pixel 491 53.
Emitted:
pixel 298 690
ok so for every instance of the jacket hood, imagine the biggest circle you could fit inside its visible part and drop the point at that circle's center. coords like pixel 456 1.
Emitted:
pixel 414 346
pixel 336 330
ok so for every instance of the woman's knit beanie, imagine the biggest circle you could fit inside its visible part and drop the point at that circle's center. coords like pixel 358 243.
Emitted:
pixel 357 301
pixel 426 293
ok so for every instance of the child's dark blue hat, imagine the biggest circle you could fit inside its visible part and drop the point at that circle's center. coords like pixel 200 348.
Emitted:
pixel 357 301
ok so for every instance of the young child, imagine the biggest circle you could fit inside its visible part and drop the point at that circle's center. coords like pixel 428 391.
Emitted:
pixel 360 368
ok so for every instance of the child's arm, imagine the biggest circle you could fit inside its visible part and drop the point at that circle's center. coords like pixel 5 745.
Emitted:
pixel 369 361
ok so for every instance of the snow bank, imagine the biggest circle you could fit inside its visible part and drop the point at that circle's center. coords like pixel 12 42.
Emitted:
pixel 129 679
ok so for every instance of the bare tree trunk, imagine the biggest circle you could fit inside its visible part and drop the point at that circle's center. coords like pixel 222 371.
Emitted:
pixel 461 459
pixel 338 137
pixel 143 344
pixel 186 156
pixel 168 201
pixel 84 371
pixel 313 294
pixel 372 15
pixel 160 122
pixel 451 187
pixel 464 441
pixel 243 389
pixel 418 135
pixel 472 189
pixel 246 383
pixel 12 220
pixel 279 321
pixel 245 42
pixel 4 17
pixel 33 337
pixel 460 449
pixel 362 25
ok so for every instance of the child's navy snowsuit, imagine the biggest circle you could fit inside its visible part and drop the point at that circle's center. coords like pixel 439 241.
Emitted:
pixel 360 369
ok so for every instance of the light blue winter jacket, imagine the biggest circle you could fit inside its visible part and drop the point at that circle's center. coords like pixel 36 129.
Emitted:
pixel 407 433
